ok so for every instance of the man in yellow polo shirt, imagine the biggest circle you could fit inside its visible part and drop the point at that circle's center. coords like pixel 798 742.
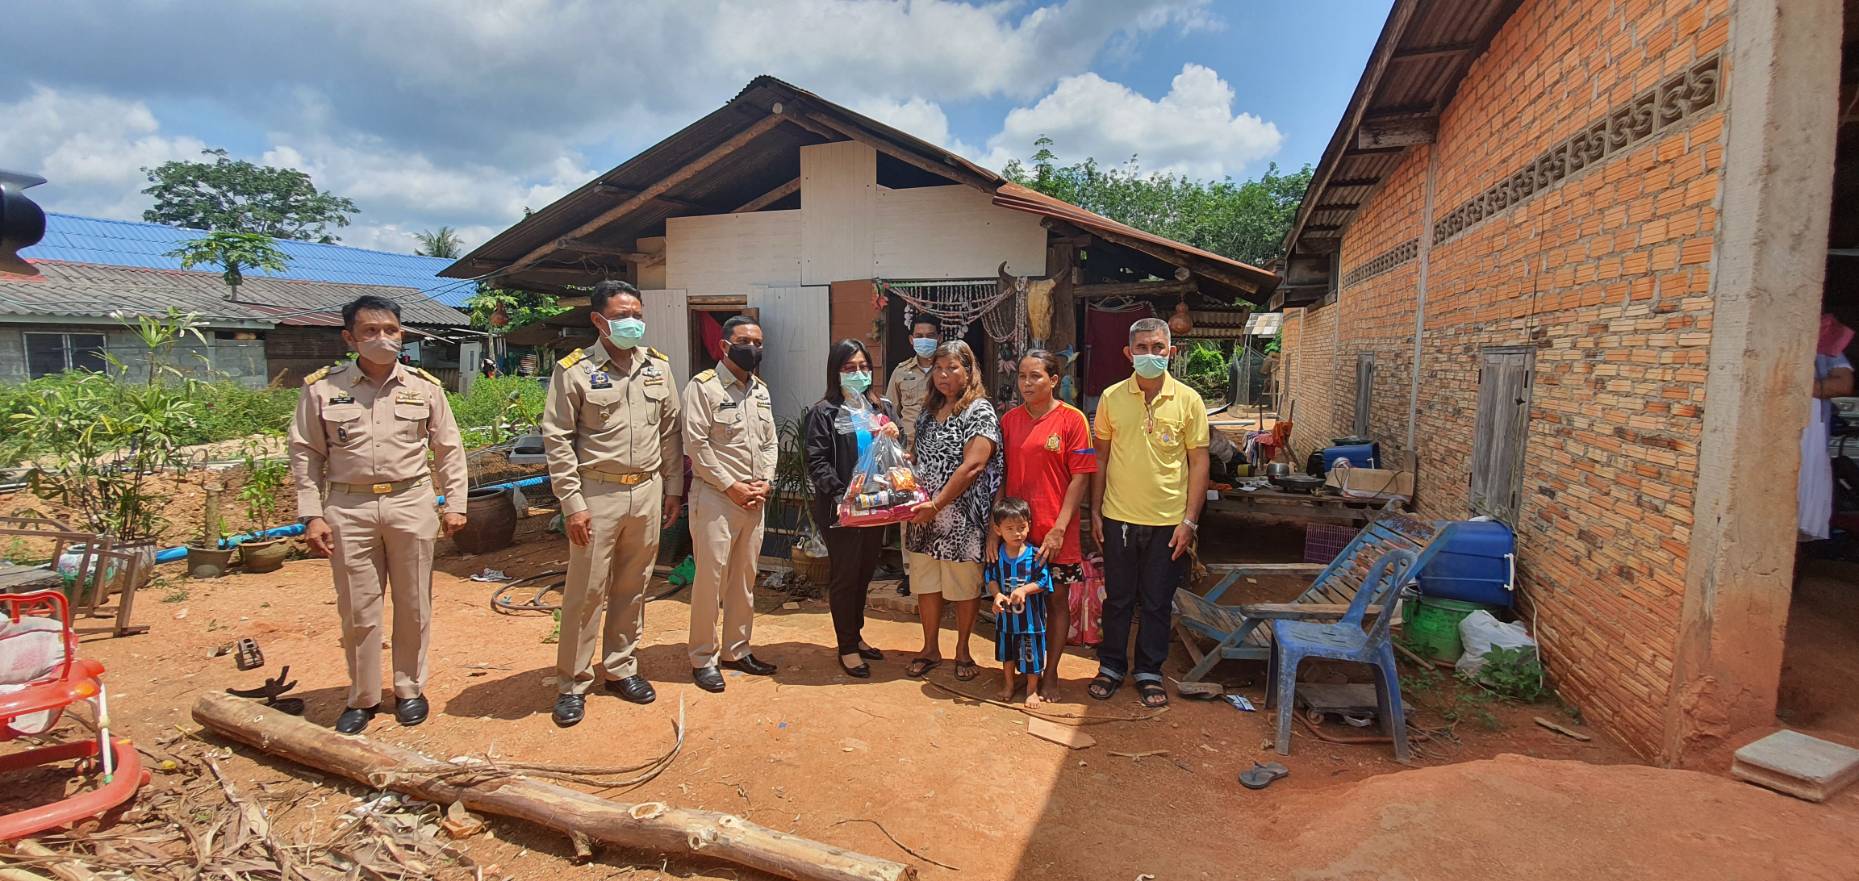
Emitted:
pixel 1145 497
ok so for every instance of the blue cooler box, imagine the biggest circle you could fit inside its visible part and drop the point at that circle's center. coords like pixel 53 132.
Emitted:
pixel 1359 455
pixel 1475 566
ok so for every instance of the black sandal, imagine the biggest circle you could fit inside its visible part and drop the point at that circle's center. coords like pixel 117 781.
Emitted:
pixel 1149 689
pixel 1103 687
pixel 920 667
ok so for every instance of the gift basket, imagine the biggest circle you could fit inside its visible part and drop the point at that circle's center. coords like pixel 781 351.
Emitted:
pixel 883 489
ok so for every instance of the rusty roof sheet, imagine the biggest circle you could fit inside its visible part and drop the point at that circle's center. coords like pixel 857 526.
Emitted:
pixel 85 290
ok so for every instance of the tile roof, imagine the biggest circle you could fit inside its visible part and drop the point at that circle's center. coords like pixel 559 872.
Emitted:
pixel 92 291
pixel 73 239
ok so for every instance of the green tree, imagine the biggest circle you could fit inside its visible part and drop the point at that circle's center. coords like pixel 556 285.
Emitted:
pixel 519 307
pixel 441 242
pixel 240 196
pixel 1246 221
pixel 233 252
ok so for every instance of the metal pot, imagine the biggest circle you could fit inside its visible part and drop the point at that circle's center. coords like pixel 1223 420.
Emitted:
pixel 1276 470
pixel 1297 483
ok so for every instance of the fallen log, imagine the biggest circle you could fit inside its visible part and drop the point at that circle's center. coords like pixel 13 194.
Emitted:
pixel 652 826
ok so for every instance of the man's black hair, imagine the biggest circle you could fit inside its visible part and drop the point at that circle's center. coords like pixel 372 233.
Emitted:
pixel 929 318
pixel 607 290
pixel 367 301
pixel 735 321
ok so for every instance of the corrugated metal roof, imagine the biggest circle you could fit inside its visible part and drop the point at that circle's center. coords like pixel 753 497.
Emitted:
pixel 1019 198
pixel 73 239
pixel 81 290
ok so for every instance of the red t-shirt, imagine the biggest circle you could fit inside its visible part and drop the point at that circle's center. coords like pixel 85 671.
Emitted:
pixel 1042 456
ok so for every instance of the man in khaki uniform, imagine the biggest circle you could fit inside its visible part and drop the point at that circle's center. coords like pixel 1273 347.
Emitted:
pixel 909 386
pixel 610 432
pixel 361 434
pixel 729 433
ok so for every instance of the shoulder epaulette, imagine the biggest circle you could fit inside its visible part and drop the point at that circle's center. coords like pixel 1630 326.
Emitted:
pixel 426 376
pixel 657 354
pixel 706 376
pixel 331 370
pixel 572 358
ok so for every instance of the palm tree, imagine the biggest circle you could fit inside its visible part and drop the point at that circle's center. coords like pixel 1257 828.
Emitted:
pixel 233 252
pixel 441 242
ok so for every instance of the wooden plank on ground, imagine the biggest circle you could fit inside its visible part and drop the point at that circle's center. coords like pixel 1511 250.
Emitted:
pixel 1188 642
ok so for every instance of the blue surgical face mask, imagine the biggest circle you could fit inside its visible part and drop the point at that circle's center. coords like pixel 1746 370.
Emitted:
pixel 855 383
pixel 923 347
pixel 625 332
pixel 1150 366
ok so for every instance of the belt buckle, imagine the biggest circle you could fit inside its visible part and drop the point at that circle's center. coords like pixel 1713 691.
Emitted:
pixel 381 488
pixel 631 479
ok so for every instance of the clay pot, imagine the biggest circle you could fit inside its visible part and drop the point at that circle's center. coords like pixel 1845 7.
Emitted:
pixel 263 556
pixel 1181 323
pixel 490 520
pixel 208 562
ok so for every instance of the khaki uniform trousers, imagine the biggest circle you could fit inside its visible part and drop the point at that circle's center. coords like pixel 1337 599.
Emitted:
pixel 608 576
pixel 727 541
pixel 383 540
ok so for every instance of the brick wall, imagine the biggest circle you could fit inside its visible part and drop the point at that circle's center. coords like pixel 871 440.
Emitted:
pixel 1314 416
pixel 1605 273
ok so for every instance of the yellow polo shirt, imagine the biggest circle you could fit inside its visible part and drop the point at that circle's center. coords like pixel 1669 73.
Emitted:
pixel 1146 480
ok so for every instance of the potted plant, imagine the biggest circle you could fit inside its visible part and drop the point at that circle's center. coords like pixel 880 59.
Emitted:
pixel 211 556
pixel 97 441
pixel 263 481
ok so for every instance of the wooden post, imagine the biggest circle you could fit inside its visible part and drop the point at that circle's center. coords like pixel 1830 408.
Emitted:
pixel 652 826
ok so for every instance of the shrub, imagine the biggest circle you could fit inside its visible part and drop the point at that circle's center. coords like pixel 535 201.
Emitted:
pixel 498 409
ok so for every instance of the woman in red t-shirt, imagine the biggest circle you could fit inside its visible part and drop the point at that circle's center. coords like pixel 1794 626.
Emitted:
pixel 1049 463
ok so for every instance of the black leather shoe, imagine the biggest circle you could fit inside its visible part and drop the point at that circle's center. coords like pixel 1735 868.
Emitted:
pixel 748 664
pixel 632 688
pixel 862 671
pixel 903 587
pixel 411 711
pixel 870 654
pixel 569 709
pixel 354 719
pixel 708 679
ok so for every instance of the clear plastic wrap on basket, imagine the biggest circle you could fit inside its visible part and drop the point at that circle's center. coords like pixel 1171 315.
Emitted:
pixel 883 489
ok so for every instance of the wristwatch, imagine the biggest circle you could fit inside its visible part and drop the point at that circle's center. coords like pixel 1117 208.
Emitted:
pixel 1189 523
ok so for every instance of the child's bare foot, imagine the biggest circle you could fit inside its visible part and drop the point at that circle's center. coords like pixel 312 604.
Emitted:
pixel 1033 699
pixel 1008 687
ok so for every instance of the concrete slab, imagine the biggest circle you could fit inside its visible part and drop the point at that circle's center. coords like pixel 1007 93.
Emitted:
pixel 1795 764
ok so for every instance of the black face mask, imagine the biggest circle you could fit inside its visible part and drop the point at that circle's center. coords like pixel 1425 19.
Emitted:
pixel 746 357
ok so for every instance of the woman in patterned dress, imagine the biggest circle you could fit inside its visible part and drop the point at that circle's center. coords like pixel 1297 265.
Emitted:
pixel 958 460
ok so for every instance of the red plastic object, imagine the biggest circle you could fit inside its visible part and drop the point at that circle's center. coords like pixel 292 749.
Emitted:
pixel 76 679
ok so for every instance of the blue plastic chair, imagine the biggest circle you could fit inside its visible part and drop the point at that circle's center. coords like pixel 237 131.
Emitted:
pixel 1346 640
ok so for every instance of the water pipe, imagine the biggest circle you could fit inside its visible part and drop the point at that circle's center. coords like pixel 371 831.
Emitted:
pixel 171 555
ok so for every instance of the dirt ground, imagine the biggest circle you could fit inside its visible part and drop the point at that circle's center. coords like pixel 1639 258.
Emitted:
pixel 961 781
pixel 1820 694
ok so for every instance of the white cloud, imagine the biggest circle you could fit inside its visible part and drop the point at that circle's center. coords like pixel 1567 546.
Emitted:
pixel 442 112
pixel 91 149
pixel 1191 130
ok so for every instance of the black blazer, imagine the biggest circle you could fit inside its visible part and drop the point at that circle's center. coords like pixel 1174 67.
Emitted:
pixel 831 456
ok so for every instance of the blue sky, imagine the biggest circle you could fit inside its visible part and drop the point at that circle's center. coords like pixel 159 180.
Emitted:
pixel 430 112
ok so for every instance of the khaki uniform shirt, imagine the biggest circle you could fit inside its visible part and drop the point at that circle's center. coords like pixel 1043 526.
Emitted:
pixel 350 430
pixel 729 428
pixel 612 418
pixel 909 385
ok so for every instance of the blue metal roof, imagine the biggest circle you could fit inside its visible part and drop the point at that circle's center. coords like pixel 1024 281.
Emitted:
pixel 75 239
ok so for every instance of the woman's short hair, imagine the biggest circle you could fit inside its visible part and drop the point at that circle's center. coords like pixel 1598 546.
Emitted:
pixel 970 393
pixel 842 352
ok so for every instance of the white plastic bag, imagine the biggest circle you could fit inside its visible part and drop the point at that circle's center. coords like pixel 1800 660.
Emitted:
pixel 1481 633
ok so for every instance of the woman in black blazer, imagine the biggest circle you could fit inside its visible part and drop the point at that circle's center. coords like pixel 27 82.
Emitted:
pixel 832 454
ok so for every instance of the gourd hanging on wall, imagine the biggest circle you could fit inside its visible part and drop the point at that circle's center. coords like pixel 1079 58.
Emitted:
pixel 1181 323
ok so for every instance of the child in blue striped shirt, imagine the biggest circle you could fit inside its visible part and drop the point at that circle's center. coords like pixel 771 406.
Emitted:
pixel 1020 584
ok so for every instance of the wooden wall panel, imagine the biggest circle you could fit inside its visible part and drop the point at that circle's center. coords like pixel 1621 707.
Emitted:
pixel 953 232
pixel 838 189
pixel 730 253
